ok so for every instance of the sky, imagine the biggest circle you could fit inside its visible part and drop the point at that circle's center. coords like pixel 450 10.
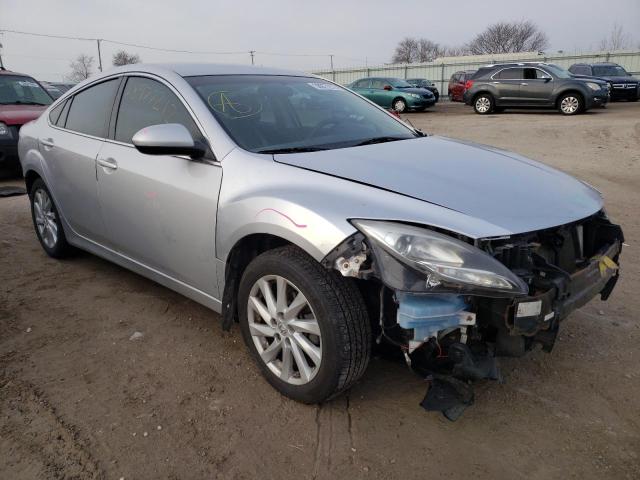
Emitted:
pixel 356 32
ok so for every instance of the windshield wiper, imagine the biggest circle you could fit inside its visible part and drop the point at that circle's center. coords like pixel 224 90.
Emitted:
pixel 373 140
pixel 292 150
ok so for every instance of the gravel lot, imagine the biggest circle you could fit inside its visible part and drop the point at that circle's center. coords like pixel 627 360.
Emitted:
pixel 80 399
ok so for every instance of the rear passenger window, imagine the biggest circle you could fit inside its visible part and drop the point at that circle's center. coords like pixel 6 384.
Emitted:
pixel 91 109
pixel 581 70
pixel 54 115
pixel 511 74
pixel 147 102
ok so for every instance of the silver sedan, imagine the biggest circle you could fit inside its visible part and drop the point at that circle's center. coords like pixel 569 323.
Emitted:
pixel 321 223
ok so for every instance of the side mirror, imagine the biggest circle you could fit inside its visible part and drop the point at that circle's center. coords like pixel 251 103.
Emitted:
pixel 388 87
pixel 546 79
pixel 167 139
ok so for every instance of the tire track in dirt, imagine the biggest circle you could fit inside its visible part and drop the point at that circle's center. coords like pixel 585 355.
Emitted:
pixel 35 441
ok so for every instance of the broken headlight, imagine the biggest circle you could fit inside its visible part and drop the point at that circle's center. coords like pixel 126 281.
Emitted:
pixel 442 259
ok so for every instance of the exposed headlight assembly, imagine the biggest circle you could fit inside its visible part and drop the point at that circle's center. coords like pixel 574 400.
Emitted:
pixel 4 130
pixel 442 259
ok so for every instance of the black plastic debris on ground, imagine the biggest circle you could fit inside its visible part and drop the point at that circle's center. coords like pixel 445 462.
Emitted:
pixel 12 191
pixel 452 393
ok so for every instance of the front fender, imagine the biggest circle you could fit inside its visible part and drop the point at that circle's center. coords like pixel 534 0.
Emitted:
pixel 312 210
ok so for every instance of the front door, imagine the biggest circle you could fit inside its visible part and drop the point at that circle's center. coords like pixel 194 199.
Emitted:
pixel 536 88
pixel 159 210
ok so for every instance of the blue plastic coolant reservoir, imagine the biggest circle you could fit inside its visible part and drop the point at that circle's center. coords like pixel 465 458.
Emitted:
pixel 428 314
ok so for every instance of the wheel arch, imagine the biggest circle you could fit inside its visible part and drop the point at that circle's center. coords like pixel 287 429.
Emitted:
pixel 30 177
pixel 240 256
pixel 575 91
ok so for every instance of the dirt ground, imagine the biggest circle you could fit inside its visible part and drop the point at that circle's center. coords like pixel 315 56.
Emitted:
pixel 79 399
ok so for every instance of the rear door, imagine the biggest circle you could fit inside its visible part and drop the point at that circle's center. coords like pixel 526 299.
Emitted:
pixel 70 147
pixel 507 83
pixel 378 94
pixel 537 87
pixel 160 210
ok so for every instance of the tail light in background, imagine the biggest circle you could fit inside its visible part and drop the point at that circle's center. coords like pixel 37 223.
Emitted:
pixel 468 84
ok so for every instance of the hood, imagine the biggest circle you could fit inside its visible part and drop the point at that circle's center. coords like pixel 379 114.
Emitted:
pixel 418 90
pixel 502 188
pixel 608 79
pixel 20 114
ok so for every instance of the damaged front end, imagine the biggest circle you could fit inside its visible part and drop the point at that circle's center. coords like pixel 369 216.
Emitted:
pixel 453 304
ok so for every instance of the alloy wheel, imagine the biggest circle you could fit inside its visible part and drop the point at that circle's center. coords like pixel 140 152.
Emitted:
pixel 483 105
pixel 569 105
pixel 399 106
pixel 284 329
pixel 45 217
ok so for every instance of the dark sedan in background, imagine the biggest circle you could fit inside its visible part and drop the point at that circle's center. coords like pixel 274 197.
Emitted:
pixel 394 93
pixel 424 83
pixel 624 86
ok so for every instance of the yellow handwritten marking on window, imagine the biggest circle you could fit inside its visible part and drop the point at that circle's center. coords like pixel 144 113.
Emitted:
pixel 222 103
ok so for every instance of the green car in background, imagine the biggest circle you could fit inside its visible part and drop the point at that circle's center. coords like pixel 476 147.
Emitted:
pixel 393 93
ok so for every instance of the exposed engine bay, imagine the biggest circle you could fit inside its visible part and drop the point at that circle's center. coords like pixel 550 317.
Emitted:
pixel 451 321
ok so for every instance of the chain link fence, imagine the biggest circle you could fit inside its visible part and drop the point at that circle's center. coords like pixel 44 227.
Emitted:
pixel 441 70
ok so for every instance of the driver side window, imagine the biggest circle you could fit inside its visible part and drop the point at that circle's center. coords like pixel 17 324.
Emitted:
pixel 147 102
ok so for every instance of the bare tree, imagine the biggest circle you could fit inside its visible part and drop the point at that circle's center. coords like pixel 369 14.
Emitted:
pixel 509 37
pixel 428 51
pixel 618 39
pixel 81 68
pixel 121 57
pixel 411 50
pixel 406 51
pixel 456 51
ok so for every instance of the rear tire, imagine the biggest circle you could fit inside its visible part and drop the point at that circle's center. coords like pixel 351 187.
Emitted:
pixel 483 104
pixel 570 104
pixel 334 308
pixel 46 221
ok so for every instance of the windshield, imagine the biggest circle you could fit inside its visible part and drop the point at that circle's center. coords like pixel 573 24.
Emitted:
pixel 20 90
pixel 557 71
pixel 609 71
pixel 399 83
pixel 283 114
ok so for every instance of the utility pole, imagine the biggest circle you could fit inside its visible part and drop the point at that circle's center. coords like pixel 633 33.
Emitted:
pixel 333 74
pixel 99 55
pixel 252 52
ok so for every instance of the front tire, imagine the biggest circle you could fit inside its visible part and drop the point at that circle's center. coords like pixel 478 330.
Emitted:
pixel 306 327
pixel 399 105
pixel 570 104
pixel 46 221
pixel 483 104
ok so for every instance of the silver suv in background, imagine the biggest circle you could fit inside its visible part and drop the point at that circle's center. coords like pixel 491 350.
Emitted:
pixel 320 222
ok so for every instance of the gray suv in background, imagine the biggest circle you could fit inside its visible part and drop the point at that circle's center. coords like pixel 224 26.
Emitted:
pixel 496 87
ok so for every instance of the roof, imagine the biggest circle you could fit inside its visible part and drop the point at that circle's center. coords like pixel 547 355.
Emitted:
pixel 9 72
pixel 608 64
pixel 197 69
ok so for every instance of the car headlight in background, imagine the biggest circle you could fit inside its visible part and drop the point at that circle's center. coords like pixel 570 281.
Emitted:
pixel 440 257
pixel 594 86
pixel 4 130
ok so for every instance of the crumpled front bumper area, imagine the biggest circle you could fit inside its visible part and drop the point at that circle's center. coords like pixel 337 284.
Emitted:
pixel 456 339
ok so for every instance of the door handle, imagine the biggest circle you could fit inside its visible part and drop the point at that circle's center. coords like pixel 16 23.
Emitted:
pixel 108 163
pixel 47 142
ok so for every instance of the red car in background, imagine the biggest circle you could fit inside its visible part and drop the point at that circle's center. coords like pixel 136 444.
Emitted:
pixel 22 99
pixel 457 84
